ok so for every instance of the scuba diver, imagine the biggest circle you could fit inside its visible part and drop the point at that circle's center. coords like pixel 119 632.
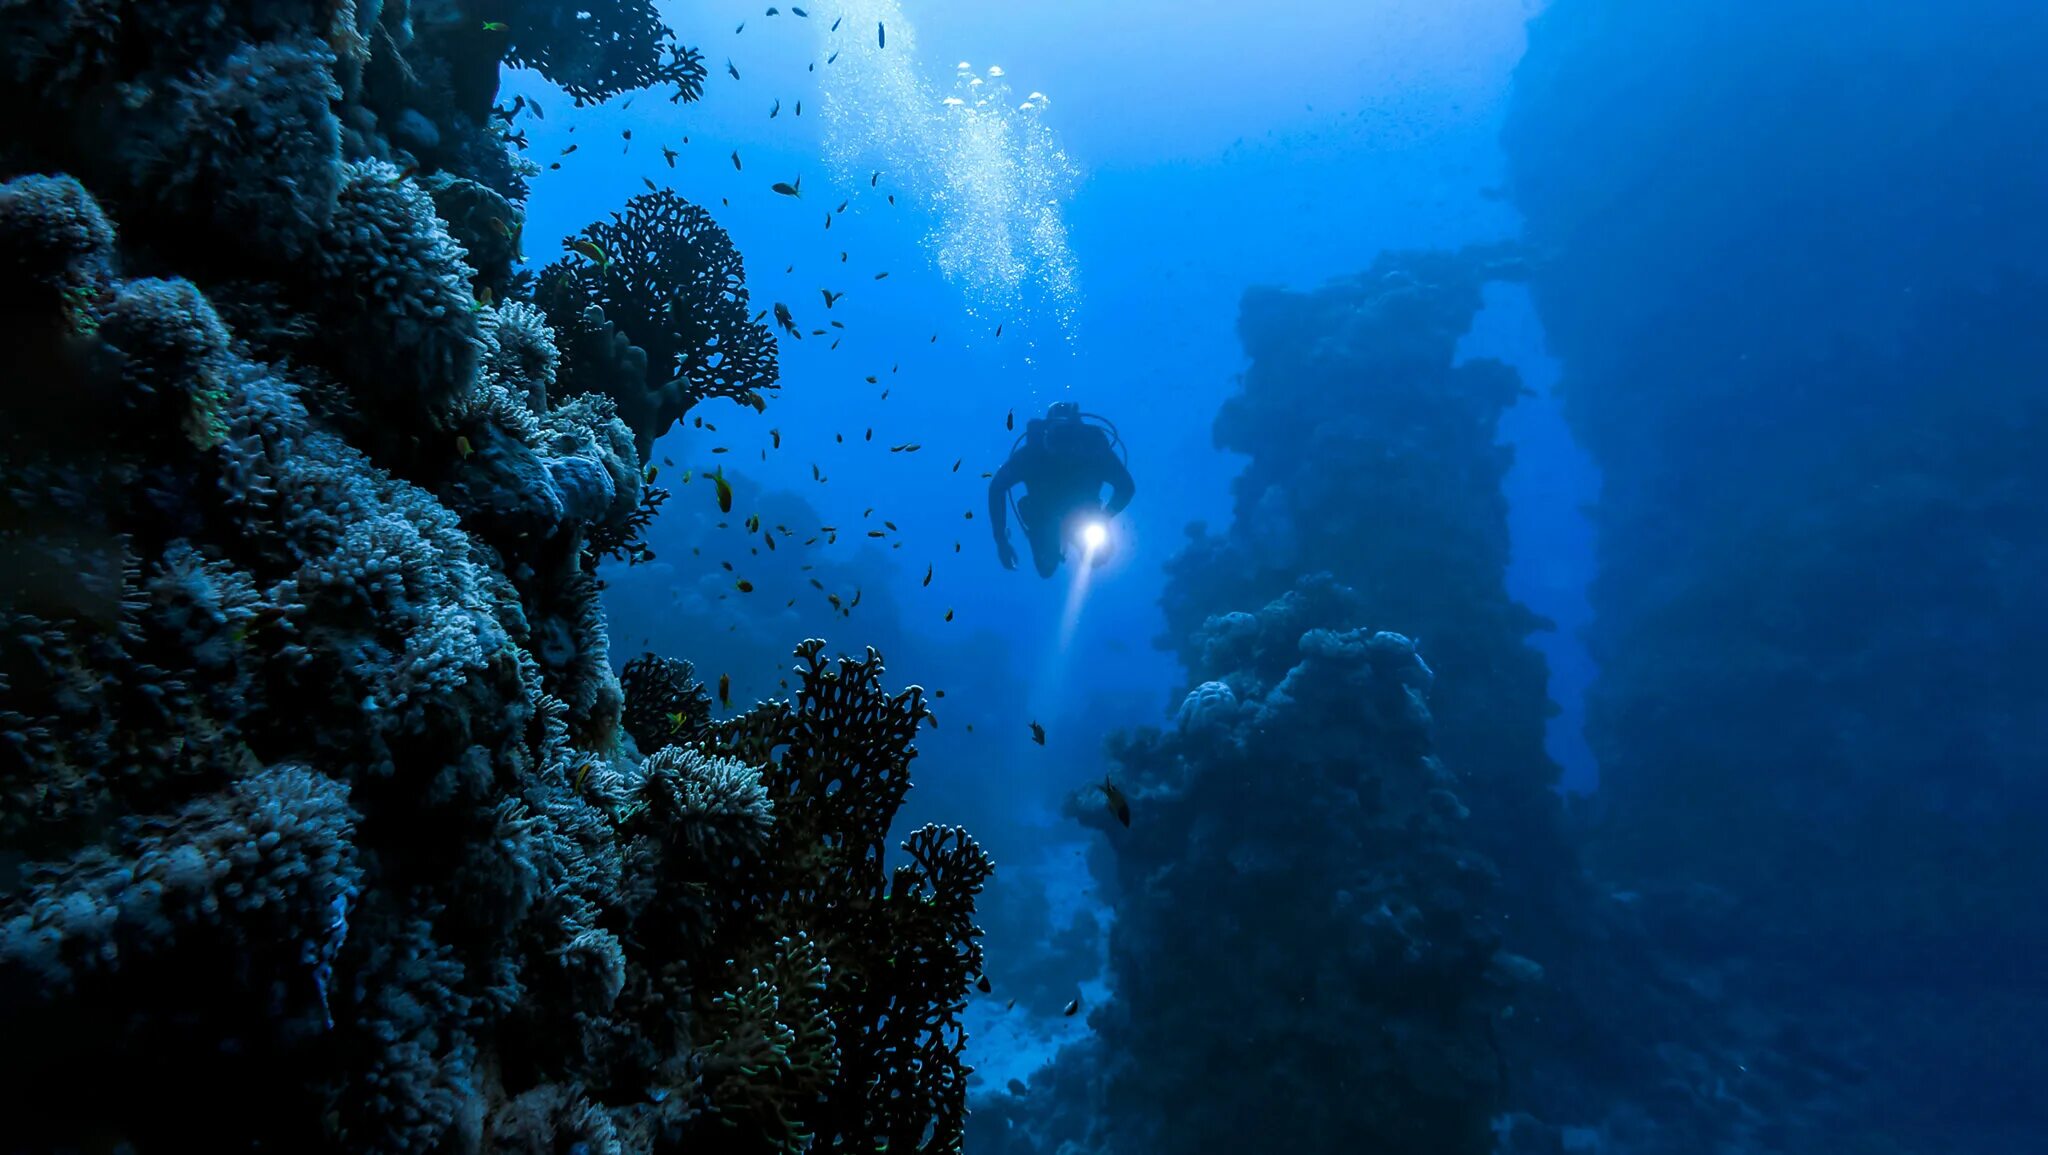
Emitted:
pixel 1062 460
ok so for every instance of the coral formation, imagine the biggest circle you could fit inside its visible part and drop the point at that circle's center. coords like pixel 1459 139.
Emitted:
pixel 659 322
pixel 324 808
pixel 1297 882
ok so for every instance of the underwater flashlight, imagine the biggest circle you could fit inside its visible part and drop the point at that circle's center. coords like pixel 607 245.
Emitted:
pixel 1093 535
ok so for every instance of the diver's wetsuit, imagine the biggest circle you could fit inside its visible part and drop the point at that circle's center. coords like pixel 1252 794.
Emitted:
pixel 1062 466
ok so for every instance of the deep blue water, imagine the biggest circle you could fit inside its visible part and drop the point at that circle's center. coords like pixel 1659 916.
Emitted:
pixel 1202 150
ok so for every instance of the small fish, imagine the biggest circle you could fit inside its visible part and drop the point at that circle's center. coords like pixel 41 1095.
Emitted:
pixel 999 330
pixel 736 160
pixel 831 58
pixel 740 29
pixel 734 72
pixel 483 298
pixel 842 206
pixel 795 11
pixel 881 35
pixel 776 435
pixel 582 772
pixel 1073 1009
pixel 462 445
pixel 744 586
pixel 788 322
pixel 876 533
pixel 949 617
pixel 799 108
pixel 795 189
pixel 668 154
pixel 725 689
pixel 828 220
pixel 1012 1004
pixel 774 11
pixel 537 113
pixel 590 249
pixel 1118 804
pixel 927 575
pixel 649 182
pixel 754 523
pixel 1010 421
pixel 570 149
pixel 874 177
pixel 830 296
pixel 1038 733
pixel 956 464
pixel 835 25
pixel 724 491
pixel 776 110
pixel 495 26
pixel 627 133
pixel 982 984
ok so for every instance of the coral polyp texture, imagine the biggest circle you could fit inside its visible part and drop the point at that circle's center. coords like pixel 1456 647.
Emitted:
pixel 326 817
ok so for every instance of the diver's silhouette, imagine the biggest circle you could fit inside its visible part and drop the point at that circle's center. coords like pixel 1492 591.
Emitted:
pixel 1062 460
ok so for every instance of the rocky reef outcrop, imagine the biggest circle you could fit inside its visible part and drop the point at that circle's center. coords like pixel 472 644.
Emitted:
pixel 325 816
pixel 1296 881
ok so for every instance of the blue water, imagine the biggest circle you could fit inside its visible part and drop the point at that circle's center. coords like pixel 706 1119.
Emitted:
pixel 1170 157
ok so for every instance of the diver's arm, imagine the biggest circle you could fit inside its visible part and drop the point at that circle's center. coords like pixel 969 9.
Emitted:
pixel 1121 487
pixel 999 499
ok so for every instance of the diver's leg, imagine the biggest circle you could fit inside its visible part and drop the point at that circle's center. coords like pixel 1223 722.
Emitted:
pixel 1045 548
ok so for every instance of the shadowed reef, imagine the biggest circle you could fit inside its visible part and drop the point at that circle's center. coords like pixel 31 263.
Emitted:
pixel 327 819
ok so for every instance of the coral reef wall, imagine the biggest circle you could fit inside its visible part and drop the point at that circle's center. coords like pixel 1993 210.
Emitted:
pixel 328 825
pixel 1793 261
pixel 1374 458
pixel 1298 883
pixel 1303 953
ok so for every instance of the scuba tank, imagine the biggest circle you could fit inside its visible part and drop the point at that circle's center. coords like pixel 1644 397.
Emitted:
pixel 1040 428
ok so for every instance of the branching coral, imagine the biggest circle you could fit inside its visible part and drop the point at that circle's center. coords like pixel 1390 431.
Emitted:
pixel 665 703
pixel 673 286
pixel 597 50
pixel 901 945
